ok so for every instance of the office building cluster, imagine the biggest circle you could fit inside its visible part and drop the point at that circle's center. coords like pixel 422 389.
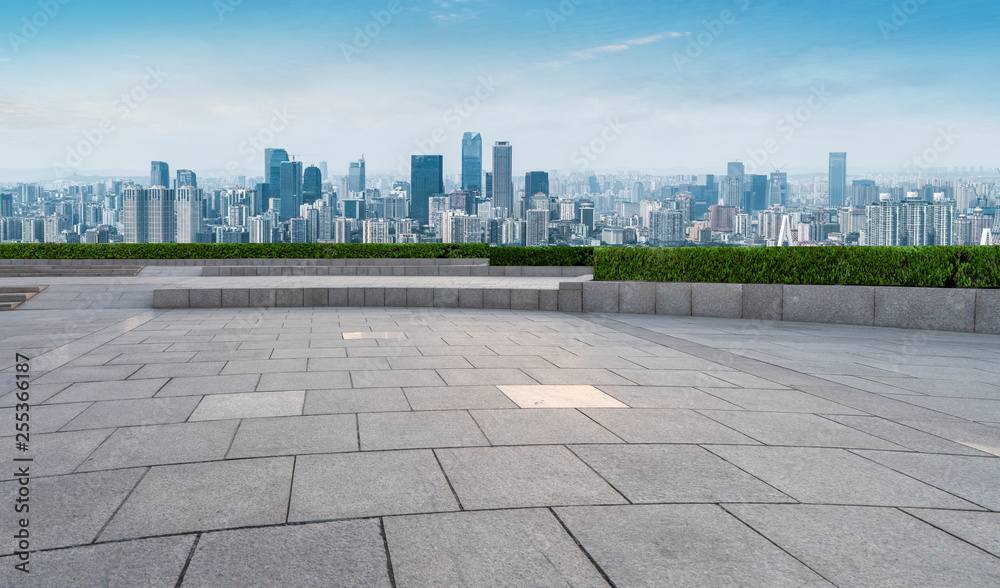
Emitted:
pixel 489 203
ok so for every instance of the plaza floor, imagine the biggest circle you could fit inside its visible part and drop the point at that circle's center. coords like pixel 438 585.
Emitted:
pixel 430 447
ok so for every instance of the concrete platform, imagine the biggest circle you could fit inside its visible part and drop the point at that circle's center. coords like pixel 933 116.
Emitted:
pixel 416 447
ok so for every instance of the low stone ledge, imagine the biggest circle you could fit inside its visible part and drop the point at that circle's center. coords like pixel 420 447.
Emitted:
pixel 673 298
pixel 842 305
pixel 717 300
pixel 936 309
pixel 988 311
pixel 762 302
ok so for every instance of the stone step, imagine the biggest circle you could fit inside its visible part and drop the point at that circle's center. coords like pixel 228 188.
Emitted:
pixel 13 297
pixel 9 305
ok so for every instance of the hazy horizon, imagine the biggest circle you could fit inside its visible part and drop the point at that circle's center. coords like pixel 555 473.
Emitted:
pixel 573 84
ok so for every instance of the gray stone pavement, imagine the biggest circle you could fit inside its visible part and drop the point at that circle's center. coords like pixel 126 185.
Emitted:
pixel 400 447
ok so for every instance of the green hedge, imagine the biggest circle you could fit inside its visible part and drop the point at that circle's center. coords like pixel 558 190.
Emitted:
pixel 542 256
pixel 929 267
pixel 242 251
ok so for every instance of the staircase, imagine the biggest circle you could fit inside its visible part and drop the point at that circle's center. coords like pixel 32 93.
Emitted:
pixel 68 271
pixel 12 297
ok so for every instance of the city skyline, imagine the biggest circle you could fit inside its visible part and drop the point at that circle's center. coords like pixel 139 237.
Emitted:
pixel 667 86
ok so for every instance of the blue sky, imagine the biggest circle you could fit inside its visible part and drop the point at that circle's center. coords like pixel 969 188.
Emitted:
pixel 573 84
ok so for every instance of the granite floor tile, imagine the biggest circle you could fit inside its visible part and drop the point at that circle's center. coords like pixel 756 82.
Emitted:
pixel 518 477
pixel 972 478
pixel 249 405
pixel 178 370
pixel 682 545
pixel 414 430
pixel 903 435
pixel 162 444
pixel 678 473
pixel 205 496
pixel 457 397
pixel 854 546
pixel 304 381
pixel 517 426
pixel 352 485
pixel 667 397
pixel 981 529
pixel 496 548
pixel 297 435
pixel 130 413
pixel 57 454
pixel 835 476
pixel 46 418
pixel 347 553
pixel 360 400
pixel 69 510
pixel 485 377
pixel 118 390
pixel 650 425
pixel 804 430
pixel 206 385
pixel 395 378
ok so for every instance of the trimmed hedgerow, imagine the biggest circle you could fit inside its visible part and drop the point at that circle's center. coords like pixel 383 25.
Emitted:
pixel 929 267
pixel 541 256
pixel 243 251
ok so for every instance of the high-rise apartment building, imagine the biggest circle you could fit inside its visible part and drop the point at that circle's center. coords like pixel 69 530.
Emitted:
pixel 838 179
pixel 6 205
pixel 503 179
pixel 667 227
pixel 159 174
pixel 426 181
pixel 863 193
pixel 733 191
pixel 885 227
pixel 472 163
pixel 148 216
pixel 537 228
pixel 188 209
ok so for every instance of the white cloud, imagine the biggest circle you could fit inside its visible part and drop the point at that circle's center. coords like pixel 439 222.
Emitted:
pixel 594 52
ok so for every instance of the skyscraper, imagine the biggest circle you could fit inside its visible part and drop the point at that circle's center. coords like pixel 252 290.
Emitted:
pixel 777 190
pixel 488 186
pixel 537 228
pixel 148 215
pixel 273 158
pixel 757 196
pixel 426 180
pixel 188 210
pixel 838 179
pixel 503 179
pixel 159 174
pixel 290 190
pixel 186 179
pixel 356 176
pixel 6 205
pixel 733 191
pixel 472 162
pixel 536 182
pixel 312 185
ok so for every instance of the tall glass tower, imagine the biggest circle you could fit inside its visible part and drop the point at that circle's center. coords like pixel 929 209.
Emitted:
pixel 312 185
pixel 186 179
pixel 472 162
pixel 159 174
pixel 503 178
pixel 291 189
pixel 273 158
pixel 535 182
pixel 356 175
pixel 838 179
pixel 426 180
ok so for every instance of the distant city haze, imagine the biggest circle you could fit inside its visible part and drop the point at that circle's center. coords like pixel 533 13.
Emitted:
pixel 103 88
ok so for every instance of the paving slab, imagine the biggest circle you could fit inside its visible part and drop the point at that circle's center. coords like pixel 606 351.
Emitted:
pixel 162 444
pixel 559 397
pixel 130 413
pixel 206 385
pixel 47 418
pixel 353 485
pixel 115 390
pixel 156 563
pixel 972 478
pixel 350 401
pixel 346 553
pixel 395 378
pixel 540 427
pixel 518 477
pixel 781 401
pixel 304 381
pixel 57 454
pixel 682 545
pixel 835 476
pixel 802 430
pixel 495 548
pixel 650 425
pixel 69 510
pixel 205 496
pixel 457 397
pixel 903 435
pixel 852 546
pixel 981 529
pixel 249 405
pixel 297 435
pixel 414 430
pixel 674 473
